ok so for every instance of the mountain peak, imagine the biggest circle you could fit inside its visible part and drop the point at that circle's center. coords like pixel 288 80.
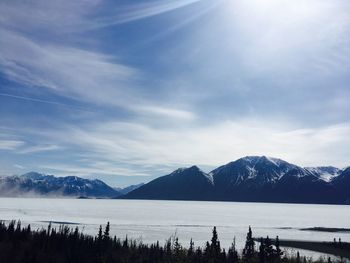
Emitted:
pixel 183 184
pixel 194 168
pixel 35 176
pixel 262 159
pixel 190 169
pixel 257 170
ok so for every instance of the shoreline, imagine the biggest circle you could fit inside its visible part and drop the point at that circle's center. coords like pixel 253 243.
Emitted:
pixel 327 229
pixel 337 249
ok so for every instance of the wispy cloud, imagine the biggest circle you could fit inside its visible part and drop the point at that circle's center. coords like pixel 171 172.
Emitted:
pixel 90 169
pixel 167 112
pixel 19 166
pixel 60 16
pixel 42 101
pixel 66 16
pixel 10 144
pixel 67 71
pixel 39 148
pixel 141 149
pixel 77 74
pixel 140 11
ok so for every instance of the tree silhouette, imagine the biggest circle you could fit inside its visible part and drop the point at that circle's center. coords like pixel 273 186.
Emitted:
pixel 106 232
pixel 20 244
pixel 249 248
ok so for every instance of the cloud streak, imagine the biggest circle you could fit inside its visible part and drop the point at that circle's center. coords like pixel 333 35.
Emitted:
pixel 39 148
pixel 66 71
pixel 141 11
pixel 66 16
pixel 143 150
pixel 10 144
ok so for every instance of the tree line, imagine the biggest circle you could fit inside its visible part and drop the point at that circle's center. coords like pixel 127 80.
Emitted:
pixel 63 244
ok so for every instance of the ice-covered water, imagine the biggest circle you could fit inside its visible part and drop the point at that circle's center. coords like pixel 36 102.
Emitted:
pixel 158 220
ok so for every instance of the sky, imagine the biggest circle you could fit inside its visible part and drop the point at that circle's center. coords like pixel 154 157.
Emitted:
pixel 126 91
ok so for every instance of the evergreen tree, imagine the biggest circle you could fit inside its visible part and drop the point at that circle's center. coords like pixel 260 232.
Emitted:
pixel 106 232
pixel 232 252
pixel 249 248
pixel 99 237
pixel 279 253
pixel 269 251
pixel 215 243
pixel 20 244
pixel 207 251
pixel 126 243
pixel 262 251
pixel 191 248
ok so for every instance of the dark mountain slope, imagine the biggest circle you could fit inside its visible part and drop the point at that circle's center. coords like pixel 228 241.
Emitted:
pixel 342 184
pixel 301 186
pixel 182 184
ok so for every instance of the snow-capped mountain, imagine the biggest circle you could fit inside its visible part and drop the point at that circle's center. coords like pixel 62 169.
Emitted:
pixel 251 178
pixel 36 184
pixel 258 170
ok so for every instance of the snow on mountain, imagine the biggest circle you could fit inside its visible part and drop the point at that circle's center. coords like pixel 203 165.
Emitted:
pixel 326 173
pixel 255 169
pixel 251 178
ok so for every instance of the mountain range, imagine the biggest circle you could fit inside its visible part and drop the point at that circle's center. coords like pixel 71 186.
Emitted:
pixel 36 184
pixel 253 179
pixel 248 179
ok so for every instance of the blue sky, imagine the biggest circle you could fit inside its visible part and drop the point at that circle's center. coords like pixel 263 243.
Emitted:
pixel 130 90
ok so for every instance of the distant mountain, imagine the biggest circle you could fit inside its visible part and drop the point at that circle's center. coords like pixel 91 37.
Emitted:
pixel 36 184
pixel 128 189
pixel 248 179
pixel 254 179
pixel 182 184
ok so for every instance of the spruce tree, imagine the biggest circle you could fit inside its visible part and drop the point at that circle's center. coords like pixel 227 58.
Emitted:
pixel 269 251
pixel 215 243
pixel 262 251
pixel 249 248
pixel 106 232
pixel 191 248
pixel 279 253
pixel 99 237
pixel 232 252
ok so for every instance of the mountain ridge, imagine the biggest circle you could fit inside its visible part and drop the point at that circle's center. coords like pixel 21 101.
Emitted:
pixel 247 179
pixel 254 179
pixel 36 184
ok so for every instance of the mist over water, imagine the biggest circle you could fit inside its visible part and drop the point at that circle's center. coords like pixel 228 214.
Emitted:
pixel 149 221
